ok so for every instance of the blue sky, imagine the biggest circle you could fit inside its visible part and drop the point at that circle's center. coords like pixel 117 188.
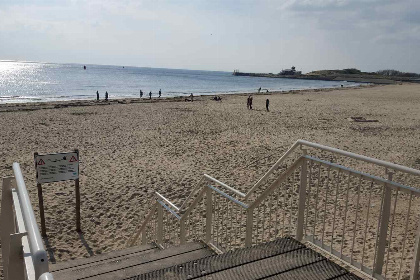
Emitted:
pixel 257 36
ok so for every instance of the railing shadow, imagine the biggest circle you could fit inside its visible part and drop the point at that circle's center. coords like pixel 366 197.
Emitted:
pixel 50 250
pixel 84 242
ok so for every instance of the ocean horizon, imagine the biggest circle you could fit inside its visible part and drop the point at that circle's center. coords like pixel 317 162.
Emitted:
pixel 23 81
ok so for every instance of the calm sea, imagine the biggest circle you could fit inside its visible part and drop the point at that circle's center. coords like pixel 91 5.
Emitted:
pixel 39 82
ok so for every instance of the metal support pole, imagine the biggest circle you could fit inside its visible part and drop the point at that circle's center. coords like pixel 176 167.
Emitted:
pixel 144 237
pixel 302 200
pixel 41 210
pixel 249 221
pixel 77 191
pixel 209 214
pixel 182 231
pixel 414 273
pixel 383 231
pixel 76 184
pixel 159 237
pixel 7 222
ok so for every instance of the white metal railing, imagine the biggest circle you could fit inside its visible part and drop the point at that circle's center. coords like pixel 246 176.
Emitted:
pixel 23 253
pixel 367 221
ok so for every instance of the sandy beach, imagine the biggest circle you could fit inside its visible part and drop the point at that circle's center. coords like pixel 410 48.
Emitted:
pixel 129 149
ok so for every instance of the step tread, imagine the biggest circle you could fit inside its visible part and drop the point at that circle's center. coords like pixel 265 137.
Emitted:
pixel 143 249
pixel 281 258
pixel 121 268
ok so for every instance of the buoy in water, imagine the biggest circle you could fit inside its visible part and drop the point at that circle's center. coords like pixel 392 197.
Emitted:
pixel 84 67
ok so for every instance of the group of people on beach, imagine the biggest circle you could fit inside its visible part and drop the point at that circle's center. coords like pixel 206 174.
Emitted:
pixel 106 96
pixel 150 94
pixel 141 94
pixel 249 103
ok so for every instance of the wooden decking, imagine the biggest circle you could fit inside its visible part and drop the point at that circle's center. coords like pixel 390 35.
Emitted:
pixel 283 258
pixel 129 262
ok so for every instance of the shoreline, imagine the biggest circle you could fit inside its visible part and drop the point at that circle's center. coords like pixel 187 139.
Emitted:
pixel 32 106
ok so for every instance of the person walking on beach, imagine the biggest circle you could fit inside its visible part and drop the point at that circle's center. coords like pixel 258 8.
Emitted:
pixel 267 103
pixel 259 90
pixel 141 93
pixel 247 102
pixel 160 92
pixel 250 102
pixel 192 97
pixel 106 96
pixel 97 95
pixel 150 95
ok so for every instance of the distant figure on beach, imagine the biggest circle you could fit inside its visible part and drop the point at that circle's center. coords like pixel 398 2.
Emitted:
pixel 341 85
pixel 250 102
pixel 141 93
pixel 97 95
pixel 106 96
pixel 217 98
pixel 267 103
pixel 160 92
pixel 247 102
pixel 150 95
pixel 259 90
pixel 192 97
pixel 267 91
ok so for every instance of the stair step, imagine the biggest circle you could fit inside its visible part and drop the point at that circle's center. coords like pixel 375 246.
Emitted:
pixel 283 258
pixel 123 266
pixel 73 264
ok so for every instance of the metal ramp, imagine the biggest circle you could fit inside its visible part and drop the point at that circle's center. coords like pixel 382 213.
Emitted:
pixel 283 258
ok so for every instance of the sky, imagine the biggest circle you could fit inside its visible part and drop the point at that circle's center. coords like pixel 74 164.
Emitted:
pixel 252 36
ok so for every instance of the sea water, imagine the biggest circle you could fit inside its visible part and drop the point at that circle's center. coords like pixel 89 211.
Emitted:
pixel 41 82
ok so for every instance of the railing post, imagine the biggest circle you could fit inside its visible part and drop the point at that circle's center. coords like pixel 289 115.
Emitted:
pixel 302 199
pixel 209 214
pixel 414 273
pixel 159 237
pixel 249 221
pixel 7 222
pixel 182 231
pixel 383 231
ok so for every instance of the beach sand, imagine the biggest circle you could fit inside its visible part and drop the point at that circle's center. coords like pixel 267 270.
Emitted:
pixel 130 149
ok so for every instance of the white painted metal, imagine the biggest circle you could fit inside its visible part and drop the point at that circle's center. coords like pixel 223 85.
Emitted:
pixel 302 201
pixel 383 232
pixel 39 255
pixel 209 214
pixel 23 253
pixel 249 226
pixel 273 199
pixel 224 185
pixel 159 225
pixel 167 202
pixel 46 276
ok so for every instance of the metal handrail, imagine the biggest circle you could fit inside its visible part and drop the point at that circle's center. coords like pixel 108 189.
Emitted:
pixel 224 185
pixel 302 143
pixel 303 205
pixel 167 201
pixel 383 163
pixel 39 255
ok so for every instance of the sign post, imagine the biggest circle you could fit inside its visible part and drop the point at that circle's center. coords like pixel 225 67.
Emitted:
pixel 56 168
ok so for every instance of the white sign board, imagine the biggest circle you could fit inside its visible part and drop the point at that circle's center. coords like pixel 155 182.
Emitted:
pixel 57 167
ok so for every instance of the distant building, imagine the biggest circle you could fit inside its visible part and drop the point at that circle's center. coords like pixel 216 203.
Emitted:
pixel 290 72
